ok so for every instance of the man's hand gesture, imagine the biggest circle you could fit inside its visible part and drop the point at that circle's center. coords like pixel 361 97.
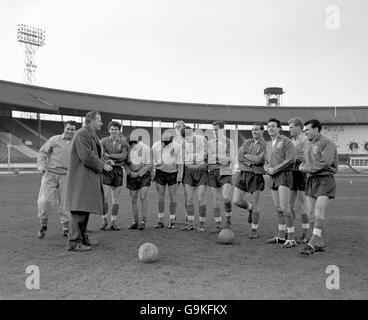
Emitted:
pixel 107 167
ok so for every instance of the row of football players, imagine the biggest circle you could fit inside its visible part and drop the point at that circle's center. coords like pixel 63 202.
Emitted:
pixel 301 168
pixel 299 171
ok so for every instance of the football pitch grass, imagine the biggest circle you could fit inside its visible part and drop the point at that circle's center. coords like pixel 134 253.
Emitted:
pixel 190 265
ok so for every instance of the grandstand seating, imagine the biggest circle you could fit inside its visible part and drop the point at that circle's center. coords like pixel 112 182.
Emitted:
pixel 30 153
pixel 48 128
pixel 15 155
pixel 10 125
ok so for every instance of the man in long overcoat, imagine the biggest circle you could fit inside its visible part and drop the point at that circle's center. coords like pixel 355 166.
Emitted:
pixel 84 191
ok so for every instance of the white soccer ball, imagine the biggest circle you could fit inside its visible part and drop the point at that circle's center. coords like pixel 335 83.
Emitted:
pixel 147 252
pixel 226 236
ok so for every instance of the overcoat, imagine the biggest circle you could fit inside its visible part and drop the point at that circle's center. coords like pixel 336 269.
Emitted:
pixel 84 191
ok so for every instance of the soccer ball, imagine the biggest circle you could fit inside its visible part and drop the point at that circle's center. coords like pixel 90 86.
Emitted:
pixel 226 236
pixel 147 252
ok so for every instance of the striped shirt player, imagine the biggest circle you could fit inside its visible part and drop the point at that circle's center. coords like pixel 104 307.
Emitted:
pixel 52 163
pixel 320 164
pixel 195 176
pixel 279 159
pixel 115 149
pixel 138 179
pixel 220 169
pixel 167 170
pixel 250 179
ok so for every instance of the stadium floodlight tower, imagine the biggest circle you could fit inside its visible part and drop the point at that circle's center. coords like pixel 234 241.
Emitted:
pixel 31 39
pixel 273 96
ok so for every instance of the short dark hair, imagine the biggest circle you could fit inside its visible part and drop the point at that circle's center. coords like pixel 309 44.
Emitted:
pixel 275 120
pixel 219 123
pixel 261 126
pixel 91 115
pixel 298 122
pixel 314 124
pixel 72 123
pixel 184 130
pixel 114 124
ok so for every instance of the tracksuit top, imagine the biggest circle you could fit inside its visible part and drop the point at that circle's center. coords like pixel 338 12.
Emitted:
pixel 251 156
pixel 281 156
pixel 117 148
pixel 196 152
pixel 54 155
pixel 221 155
pixel 166 158
pixel 300 143
pixel 139 158
pixel 321 157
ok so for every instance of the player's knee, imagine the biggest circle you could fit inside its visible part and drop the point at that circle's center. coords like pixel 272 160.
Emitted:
pixel 235 200
pixel 319 214
pixel 288 213
pixel 256 207
pixel 227 205
pixel 41 205
pixel 189 201
pixel 237 204
pixel 114 201
pixel 216 203
pixel 280 213
pixel 227 199
pixel 202 202
pixel 201 196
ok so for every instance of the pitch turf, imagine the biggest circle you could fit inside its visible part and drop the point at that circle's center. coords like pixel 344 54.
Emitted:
pixel 191 265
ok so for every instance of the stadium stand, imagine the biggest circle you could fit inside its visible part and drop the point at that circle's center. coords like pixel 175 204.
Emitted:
pixel 18 96
pixel 12 126
pixel 341 124
pixel 19 153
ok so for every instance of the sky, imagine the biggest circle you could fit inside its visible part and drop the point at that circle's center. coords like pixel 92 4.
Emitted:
pixel 201 51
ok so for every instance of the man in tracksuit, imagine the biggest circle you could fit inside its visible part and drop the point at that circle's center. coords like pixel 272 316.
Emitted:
pixel 167 170
pixel 195 178
pixel 297 196
pixel 220 169
pixel 321 164
pixel 52 163
pixel 279 159
pixel 250 179
pixel 115 149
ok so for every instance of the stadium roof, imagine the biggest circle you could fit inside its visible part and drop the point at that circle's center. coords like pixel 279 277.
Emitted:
pixel 47 100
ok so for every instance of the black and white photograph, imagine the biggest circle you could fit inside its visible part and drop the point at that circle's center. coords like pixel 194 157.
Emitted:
pixel 193 151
